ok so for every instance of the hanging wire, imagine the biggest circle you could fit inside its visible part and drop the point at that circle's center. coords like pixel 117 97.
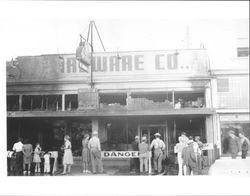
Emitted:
pixel 99 37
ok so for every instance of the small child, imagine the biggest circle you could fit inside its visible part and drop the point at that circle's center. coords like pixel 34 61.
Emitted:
pixel 47 163
pixel 36 158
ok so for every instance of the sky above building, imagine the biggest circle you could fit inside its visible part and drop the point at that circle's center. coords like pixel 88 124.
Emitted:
pixel 35 28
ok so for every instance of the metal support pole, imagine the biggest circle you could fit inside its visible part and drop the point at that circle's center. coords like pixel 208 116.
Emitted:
pixel 91 60
pixel 20 102
pixel 173 98
pixel 63 102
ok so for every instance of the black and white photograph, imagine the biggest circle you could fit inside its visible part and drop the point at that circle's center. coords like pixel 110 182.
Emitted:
pixel 130 98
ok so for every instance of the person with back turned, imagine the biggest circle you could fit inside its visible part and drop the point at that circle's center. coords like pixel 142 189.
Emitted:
pixel 95 153
pixel 159 147
pixel 18 149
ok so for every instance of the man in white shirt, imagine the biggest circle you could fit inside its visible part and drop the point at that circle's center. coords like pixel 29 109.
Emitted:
pixel 95 153
pixel 18 148
pixel 158 146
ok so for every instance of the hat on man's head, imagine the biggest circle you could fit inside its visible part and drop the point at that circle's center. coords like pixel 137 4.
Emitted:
pixel 144 138
pixel 157 134
pixel 136 137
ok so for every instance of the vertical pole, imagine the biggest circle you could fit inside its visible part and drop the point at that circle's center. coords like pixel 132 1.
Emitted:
pixel 91 58
pixel 31 104
pixel 20 102
pixel 63 102
pixel 173 98
pixel 19 128
pixel 127 131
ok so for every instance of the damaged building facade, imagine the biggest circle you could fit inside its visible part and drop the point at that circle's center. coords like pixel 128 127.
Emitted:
pixel 133 93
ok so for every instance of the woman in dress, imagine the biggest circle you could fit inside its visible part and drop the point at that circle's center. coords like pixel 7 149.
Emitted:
pixel 27 155
pixel 85 154
pixel 67 157
pixel 36 158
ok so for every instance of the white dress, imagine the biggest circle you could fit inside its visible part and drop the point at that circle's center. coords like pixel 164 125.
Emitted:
pixel 67 157
pixel 36 158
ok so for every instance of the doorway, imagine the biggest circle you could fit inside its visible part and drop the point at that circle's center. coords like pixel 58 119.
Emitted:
pixel 149 130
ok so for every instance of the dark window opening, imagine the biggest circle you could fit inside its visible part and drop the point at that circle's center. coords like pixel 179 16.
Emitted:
pixel 113 99
pixel 117 135
pixel 150 100
pixel 243 52
pixel 42 102
pixel 156 97
pixel 71 102
pixel 13 103
pixel 26 102
pixel 189 100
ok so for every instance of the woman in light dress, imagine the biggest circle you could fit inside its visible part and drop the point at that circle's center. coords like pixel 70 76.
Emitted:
pixel 67 157
pixel 36 158
pixel 85 154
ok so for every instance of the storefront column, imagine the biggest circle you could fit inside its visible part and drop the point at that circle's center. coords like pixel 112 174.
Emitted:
pixel 173 98
pixel 20 102
pixel 214 95
pixel 128 98
pixel 95 125
pixel 208 97
pixel 210 137
pixel 63 102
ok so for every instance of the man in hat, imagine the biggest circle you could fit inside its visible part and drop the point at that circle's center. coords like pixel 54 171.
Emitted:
pixel 244 145
pixel 95 153
pixel 190 158
pixel 234 145
pixel 159 147
pixel 134 162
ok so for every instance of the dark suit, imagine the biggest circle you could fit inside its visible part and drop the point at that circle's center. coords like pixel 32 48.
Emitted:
pixel 134 162
pixel 244 148
pixel 190 160
pixel 234 146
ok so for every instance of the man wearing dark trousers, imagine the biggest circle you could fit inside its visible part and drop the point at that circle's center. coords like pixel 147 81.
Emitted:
pixel 18 149
pixel 134 162
pixel 190 158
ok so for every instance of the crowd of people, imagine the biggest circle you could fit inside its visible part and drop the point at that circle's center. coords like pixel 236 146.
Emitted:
pixel 25 156
pixel 189 156
pixel 157 146
pixel 238 144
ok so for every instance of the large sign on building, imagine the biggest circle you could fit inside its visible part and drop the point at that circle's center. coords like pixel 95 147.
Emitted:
pixel 66 67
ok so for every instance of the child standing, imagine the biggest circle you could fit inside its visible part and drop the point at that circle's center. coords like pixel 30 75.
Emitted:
pixel 36 158
pixel 47 163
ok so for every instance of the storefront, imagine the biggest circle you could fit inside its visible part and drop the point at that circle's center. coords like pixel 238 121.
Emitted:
pixel 134 93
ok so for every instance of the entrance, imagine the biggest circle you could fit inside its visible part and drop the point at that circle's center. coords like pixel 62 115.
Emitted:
pixel 150 130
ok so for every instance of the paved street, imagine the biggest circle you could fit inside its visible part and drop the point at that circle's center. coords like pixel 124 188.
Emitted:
pixel 229 166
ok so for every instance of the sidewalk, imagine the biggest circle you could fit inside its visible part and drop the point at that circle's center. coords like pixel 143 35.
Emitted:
pixel 228 166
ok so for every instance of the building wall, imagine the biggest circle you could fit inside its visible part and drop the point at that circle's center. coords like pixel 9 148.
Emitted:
pixel 233 92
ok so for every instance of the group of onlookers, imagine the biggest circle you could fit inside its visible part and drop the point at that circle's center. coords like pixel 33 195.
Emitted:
pixel 189 155
pixel 91 155
pixel 157 146
pixel 25 156
pixel 238 145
